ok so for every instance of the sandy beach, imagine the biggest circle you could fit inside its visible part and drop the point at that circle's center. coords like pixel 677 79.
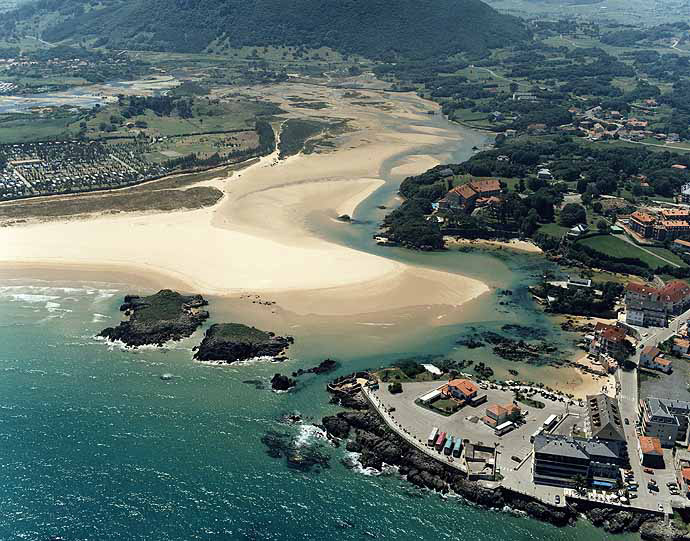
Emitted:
pixel 258 238
pixel 512 244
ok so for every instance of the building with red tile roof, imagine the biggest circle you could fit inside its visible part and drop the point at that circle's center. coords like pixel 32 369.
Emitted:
pixel 497 414
pixel 642 223
pixel 675 214
pixel 651 453
pixel 486 188
pixel 646 305
pixel 608 340
pixel 466 196
pixel 464 389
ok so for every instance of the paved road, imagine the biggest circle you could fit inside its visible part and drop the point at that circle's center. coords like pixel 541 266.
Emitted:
pixel 662 145
pixel 628 404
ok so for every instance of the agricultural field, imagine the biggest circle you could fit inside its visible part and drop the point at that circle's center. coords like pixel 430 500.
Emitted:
pixel 24 128
pixel 621 11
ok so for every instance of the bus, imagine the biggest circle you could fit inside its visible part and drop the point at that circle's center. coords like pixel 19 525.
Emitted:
pixel 550 422
pixel 448 448
pixel 432 437
pixel 536 433
pixel 457 448
pixel 505 428
pixel 440 441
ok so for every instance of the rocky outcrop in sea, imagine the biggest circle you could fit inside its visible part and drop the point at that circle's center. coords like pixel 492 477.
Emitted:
pixel 234 342
pixel 282 383
pixel 324 367
pixel 158 318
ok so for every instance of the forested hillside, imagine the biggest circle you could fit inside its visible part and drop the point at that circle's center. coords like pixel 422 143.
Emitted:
pixel 372 28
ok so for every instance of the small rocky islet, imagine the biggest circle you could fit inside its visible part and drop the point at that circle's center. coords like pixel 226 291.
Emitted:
pixel 170 316
pixel 234 342
pixel 157 319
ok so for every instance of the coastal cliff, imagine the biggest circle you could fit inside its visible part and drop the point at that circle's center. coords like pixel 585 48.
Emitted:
pixel 158 318
pixel 234 342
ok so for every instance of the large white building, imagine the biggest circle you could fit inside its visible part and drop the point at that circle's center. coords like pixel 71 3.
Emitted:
pixel 665 419
pixel 647 306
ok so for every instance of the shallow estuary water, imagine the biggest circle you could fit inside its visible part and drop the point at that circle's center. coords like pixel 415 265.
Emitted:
pixel 96 445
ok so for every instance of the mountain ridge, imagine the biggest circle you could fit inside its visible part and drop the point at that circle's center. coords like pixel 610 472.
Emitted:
pixel 372 28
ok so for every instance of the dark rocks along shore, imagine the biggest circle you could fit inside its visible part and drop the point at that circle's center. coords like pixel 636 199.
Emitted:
pixel 234 342
pixel 364 432
pixel 158 318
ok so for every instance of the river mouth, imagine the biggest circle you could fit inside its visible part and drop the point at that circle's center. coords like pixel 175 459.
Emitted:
pixel 180 442
pixel 401 303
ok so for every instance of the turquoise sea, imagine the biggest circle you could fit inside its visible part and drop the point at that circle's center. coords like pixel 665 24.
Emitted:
pixel 95 445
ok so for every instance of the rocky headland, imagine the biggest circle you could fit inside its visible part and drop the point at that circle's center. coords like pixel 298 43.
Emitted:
pixel 364 432
pixel 158 318
pixel 234 342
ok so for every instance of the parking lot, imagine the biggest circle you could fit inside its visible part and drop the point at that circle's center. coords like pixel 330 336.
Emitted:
pixel 466 423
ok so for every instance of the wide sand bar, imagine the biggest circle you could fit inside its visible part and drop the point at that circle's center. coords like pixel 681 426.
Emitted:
pixel 258 239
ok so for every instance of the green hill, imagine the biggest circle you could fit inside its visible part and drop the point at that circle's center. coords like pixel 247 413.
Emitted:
pixel 372 28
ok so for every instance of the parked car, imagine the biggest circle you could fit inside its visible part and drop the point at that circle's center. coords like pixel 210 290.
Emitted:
pixel 516 458
pixel 627 421
pixel 558 499
pixel 649 470
pixel 661 508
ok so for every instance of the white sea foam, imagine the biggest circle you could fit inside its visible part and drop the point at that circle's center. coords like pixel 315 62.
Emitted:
pixel 99 317
pixel 32 298
pixel 308 433
pixel 248 362
pixel 55 307
pixel 353 459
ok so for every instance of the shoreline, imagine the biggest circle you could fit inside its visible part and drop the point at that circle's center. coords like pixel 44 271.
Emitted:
pixel 257 238
pixel 382 444
pixel 512 244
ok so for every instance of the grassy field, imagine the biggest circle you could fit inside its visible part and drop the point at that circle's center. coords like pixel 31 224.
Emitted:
pixel 553 230
pixel 616 247
pixel 65 123
pixel 25 128
pixel 668 254
pixel 208 117
pixel 639 12
pixel 295 134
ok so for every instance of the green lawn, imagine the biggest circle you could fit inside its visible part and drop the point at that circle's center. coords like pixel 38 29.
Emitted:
pixel 616 247
pixel 668 254
pixel 553 230
pixel 27 128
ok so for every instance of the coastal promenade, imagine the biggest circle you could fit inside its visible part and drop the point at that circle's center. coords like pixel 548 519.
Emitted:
pixel 394 425
pixel 516 478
